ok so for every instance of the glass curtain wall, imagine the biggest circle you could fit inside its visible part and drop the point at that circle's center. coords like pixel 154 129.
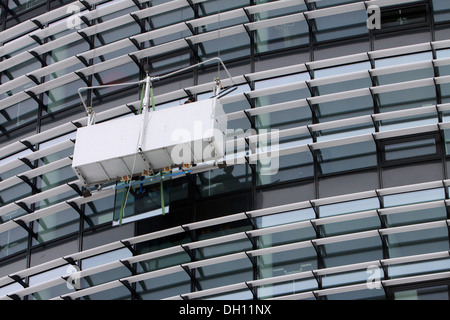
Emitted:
pixel 110 45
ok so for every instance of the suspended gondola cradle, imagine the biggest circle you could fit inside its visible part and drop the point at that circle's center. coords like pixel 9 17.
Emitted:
pixel 152 141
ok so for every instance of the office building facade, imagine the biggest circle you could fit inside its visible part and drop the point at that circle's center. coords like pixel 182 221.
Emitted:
pixel 350 202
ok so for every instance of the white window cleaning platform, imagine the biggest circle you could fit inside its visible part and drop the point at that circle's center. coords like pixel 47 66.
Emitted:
pixel 152 141
pixel 183 135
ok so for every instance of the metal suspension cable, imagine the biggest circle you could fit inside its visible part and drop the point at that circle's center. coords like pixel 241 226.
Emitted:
pixel 218 39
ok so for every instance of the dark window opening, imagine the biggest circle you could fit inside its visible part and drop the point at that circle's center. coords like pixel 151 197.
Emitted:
pixel 435 290
pixel 403 16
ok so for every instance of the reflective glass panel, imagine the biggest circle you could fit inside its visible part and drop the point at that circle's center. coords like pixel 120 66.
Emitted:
pixel 347 157
pixel 14 193
pixel 23 5
pixel 345 131
pixel 237 295
pixel 117 293
pixel 445 92
pixel 63 97
pixel 287 236
pixel 218 181
pixel 417 242
pixel 351 251
pixel 441 10
pixel 220 23
pixel 163 287
pixel 330 3
pixel 443 53
pixel 298 7
pixel 287 262
pixel 366 294
pixel 340 25
pixel 227 48
pixel 343 69
pixel 9 289
pixel 403 76
pixel 170 17
pixel 285 217
pixel 407 98
pixel 56 225
pixel 224 248
pixel 413 197
pixel 418 268
pixel 108 275
pixel 207 8
pixel 409 58
pixel 403 16
pixel 344 278
pixel 13 241
pixel 284 168
pixel 164 261
pixel 225 273
pixel 407 121
pixel 415 216
pixel 99 211
pixel 286 288
pixel 428 293
pixel 18 114
pixel 282 36
pixel 410 149
pixel 140 199
pixel 348 207
pixel 340 85
pixel 344 108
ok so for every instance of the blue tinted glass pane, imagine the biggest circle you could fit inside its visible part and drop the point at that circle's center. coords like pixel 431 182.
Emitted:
pixel 413 197
pixel 166 286
pixel 285 217
pixel 417 268
pixel 12 241
pixel 19 114
pixel 230 47
pixel 441 10
pixel 340 25
pixel 405 76
pixel 429 293
pixel 286 288
pixel 352 251
pixel 417 242
pixel 351 226
pixel 207 8
pixel 287 262
pixel 347 157
pixel 349 68
pixel 348 207
pixel 52 291
pixel 410 58
pixel 410 149
pixel 225 273
pixel 331 3
pixel 443 53
pixel 408 98
pixel 56 225
pixel 415 216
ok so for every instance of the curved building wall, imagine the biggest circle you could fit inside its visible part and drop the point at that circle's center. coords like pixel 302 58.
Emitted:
pixel 353 203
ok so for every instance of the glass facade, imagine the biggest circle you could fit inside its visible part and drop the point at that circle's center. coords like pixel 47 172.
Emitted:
pixel 351 203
